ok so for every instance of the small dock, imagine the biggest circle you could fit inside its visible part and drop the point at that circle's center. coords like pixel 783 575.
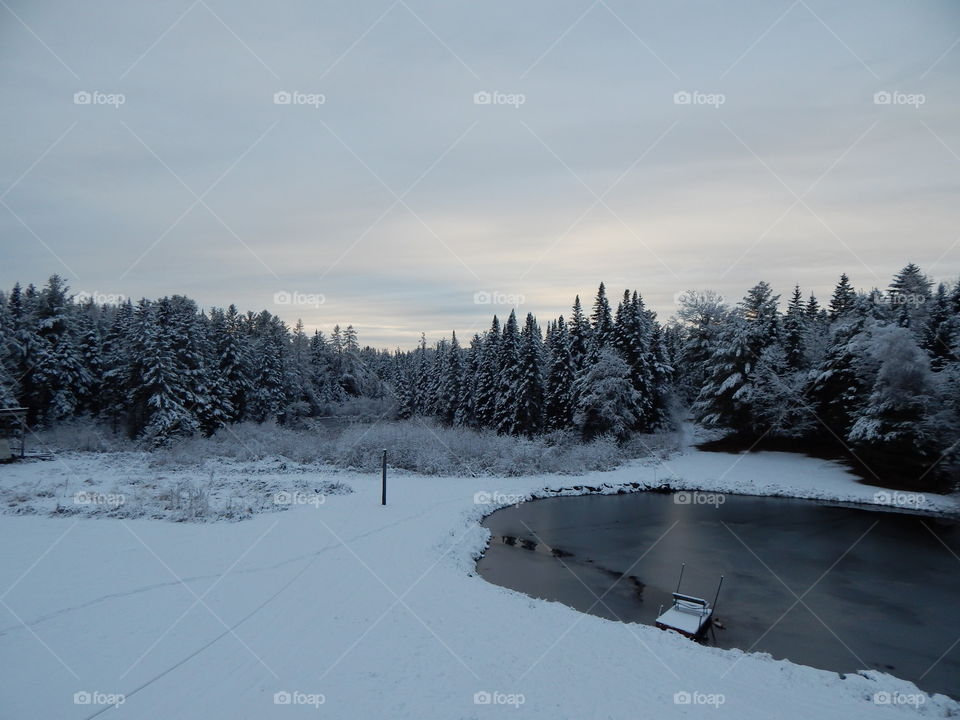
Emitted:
pixel 688 615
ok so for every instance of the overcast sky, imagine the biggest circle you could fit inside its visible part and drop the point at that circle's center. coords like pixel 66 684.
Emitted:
pixel 393 192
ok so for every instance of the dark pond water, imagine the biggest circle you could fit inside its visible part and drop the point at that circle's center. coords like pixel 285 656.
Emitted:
pixel 879 589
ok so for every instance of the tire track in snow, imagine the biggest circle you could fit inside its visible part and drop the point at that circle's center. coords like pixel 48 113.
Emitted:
pixel 313 557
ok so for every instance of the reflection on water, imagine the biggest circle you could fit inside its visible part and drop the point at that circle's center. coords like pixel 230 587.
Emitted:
pixel 831 586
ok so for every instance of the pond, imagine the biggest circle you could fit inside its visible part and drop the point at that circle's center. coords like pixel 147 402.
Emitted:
pixel 877 589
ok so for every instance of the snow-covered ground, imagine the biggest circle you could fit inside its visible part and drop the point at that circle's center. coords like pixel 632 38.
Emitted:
pixel 347 609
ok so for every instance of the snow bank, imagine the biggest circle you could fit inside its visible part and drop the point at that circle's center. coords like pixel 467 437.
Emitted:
pixel 346 609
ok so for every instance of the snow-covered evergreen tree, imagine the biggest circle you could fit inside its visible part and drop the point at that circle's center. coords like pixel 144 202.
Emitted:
pixel 528 394
pixel 508 376
pixel 606 400
pixel 559 384
pixel 893 426
pixel 843 298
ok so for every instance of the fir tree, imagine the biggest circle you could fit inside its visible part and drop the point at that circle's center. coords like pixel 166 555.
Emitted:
pixel 580 336
pixel 508 361
pixel 601 320
pixel 528 394
pixel 606 400
pixel 795 332
pixel 843 298
pixel 559 397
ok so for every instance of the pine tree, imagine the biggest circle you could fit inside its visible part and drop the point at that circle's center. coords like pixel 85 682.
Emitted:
pixel 606 400
pixel 892 425
pixel 702 316
pixel 558 391
pixel 268 395
pixel 421 377
pixel 118 358
pixel 508 361
pixel 528 394
pixel 941 330
pixel 234 362
pixel 840 384
pixel 759 308
pixel 451 395
pixel 722 401
pixel 581 336
pixel 601 320
pixel 58 366
pixel 403 384
pixel 795 332
pixel 632 339
pixel 160 403
pixel 486 386
pixel 843 298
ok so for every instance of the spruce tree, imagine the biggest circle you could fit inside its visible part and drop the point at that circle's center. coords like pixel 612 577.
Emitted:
pixel 528 395
pixel 843 299
pixel 795 332
pixel 601 321
pixel 558 390
pixel 581 336
pixel 508 362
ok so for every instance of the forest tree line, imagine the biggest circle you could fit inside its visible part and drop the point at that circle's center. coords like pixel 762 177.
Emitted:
pixel 876 372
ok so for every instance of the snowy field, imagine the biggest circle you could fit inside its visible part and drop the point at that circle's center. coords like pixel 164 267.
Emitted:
pixel 342 608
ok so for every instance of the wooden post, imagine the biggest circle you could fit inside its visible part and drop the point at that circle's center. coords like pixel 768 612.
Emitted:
pixel 680 579
pixel 717 596
pixel 383 483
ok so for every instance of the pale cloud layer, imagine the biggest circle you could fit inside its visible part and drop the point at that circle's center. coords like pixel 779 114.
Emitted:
pixel 399 197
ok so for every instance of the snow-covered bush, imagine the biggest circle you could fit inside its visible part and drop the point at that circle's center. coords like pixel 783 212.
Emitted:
pixel 418 445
